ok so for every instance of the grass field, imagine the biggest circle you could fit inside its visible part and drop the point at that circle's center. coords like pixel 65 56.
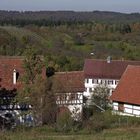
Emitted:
pixel 114 134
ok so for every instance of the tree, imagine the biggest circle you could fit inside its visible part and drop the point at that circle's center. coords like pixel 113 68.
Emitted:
pixel 43 101
pixel 125 28
pixel 100 97
pixel 37 89
pixel 33 65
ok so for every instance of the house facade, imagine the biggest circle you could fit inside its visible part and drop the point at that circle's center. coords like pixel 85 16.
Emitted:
pixel 11 74
pixel 69 88
pixel 126 97
pixel 104 72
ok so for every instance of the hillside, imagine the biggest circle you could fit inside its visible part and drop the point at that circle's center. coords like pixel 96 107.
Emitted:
pixel 65 45
pixel 29 17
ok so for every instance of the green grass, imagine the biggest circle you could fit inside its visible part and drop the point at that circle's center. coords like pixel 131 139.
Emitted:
pixel 46 134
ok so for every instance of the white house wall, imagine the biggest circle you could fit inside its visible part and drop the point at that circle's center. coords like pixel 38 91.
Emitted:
pixel 76 111
pixel 129 110
pixel 90 85
pixel 74 106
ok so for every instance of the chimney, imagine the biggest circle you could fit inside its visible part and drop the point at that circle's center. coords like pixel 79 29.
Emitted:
pixel 14 77
pixel 109 59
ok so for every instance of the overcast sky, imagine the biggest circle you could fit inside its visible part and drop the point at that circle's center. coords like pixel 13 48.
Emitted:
pixel 127 6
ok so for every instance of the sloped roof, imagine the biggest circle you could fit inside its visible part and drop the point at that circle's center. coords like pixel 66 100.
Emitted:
pixel 128 89
pixel 7 65
pixel 65 82
pixel 101 69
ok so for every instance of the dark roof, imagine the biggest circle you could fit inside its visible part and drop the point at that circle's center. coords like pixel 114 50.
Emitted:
pixel 128 89
pixel 102 69
pixel 65 82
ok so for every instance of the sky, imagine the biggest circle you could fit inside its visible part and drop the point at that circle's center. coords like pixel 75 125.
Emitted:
pixel 124 6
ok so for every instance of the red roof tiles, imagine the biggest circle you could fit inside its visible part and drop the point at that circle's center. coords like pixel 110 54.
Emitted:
pixel 69 82
pixel 7 65
pixel 128 89
pixel 102 69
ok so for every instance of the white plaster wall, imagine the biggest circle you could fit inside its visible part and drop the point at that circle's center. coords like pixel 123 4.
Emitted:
pixel 136 110
pixel 115 106
pixel 75 107
pixel 88 85
pixel 129 110
pixel 67 101
pixel 76 111
pixel 136 107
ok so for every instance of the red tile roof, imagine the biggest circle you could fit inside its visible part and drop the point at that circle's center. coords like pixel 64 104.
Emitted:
pixel 128 89
pixel 7 65
pixel 102 69
pixel 69 82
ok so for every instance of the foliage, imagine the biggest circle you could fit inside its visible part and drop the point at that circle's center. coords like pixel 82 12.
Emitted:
pixel 37 89
pixel 43 102
pixel 32 65
pixel 100 97
pixel 65 122
pixel 67 41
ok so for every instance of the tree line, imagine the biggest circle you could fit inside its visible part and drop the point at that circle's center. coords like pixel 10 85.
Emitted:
pixel 52 18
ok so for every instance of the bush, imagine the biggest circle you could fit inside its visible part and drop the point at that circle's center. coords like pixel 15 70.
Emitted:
pixel 106 120
pixel 101 120
pixel 64 122
pixel 96 123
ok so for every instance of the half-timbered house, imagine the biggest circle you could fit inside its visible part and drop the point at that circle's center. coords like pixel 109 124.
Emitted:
pixel 104 72
pixel 126 97
pixel 69 88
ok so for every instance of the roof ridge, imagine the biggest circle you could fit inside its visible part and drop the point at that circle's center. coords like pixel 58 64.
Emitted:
pixel 119 60
pixel 11 57
pixel 65 72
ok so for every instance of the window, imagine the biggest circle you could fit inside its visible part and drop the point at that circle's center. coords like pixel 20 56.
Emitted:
pixel 63 97
pixel 110 82
pixel 87 80
pixel 105 82
pixel 101 82
pixel 95 81
pixel 116 82
pixel 121 107
pixel 90 90
pixel 73 96
pixel 17 75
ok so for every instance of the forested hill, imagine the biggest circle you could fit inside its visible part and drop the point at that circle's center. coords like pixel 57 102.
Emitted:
pixel 67 16
pixel 66 38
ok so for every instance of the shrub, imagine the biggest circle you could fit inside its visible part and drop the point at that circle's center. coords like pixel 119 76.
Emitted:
pixel 102 120
pixel 64 122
